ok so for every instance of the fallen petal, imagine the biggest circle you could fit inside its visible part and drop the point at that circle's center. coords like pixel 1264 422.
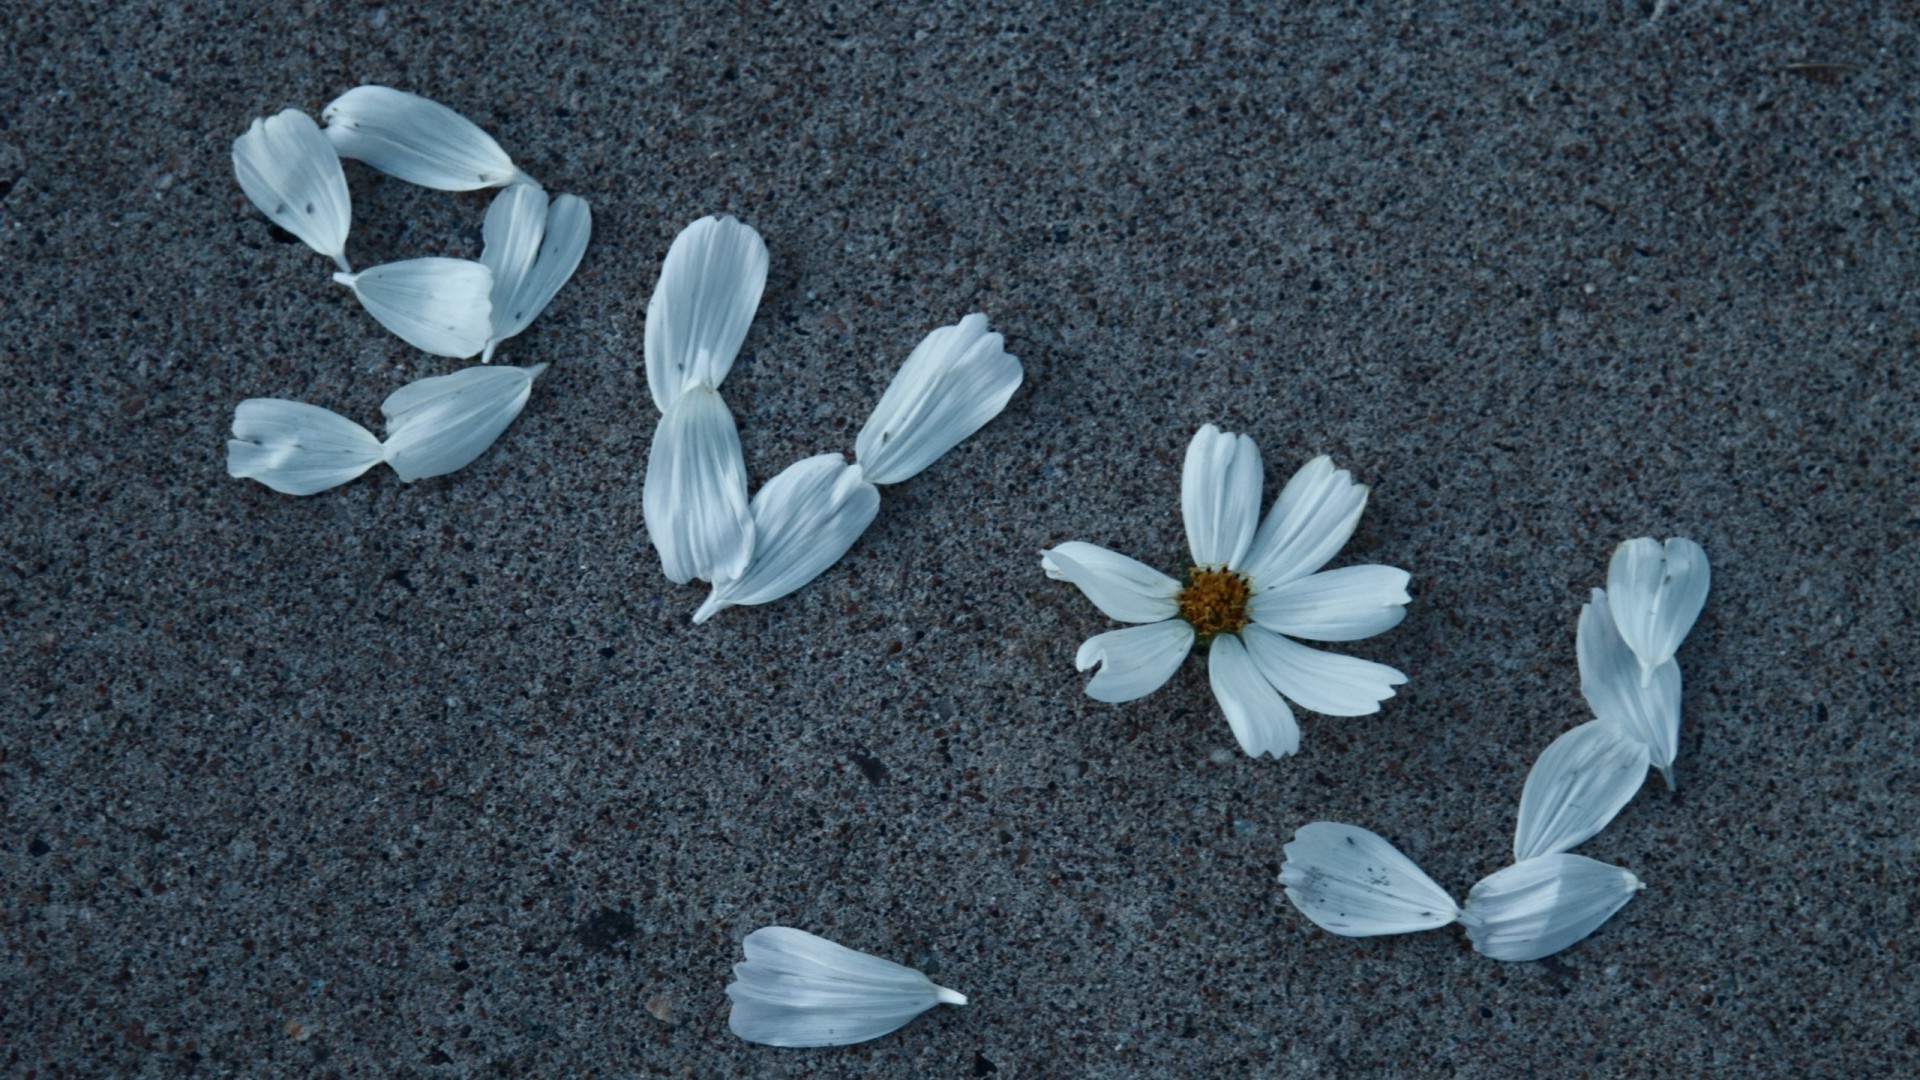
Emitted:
pixel 1538 907
pixel 1351 882
pixel 436 305
pixel 797 989
pixel 440 424
pixel 296 448
pixel 418 140
pixel 532 248
pixel 1657 592
pixel 695 496
pixel 698 315
pixel 291 173
pixel 955 381
pixel 804 520
pixel 1575 789
pixel 1647 711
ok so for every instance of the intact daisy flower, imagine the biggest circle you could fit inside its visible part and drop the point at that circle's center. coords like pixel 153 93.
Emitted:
pixel 1251 589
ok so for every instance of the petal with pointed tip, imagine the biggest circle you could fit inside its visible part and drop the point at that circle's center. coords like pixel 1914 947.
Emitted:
pixel 799 989
pixel 1576 787
pixel 1656 592
pixel 956 380
pixel 1259 717
pixel 1351 882
pixel 291 173
pixel 295 448
pixel 1134 661
pixel 804 520
pixel 1538 907
pixel 1610 678
pixel 418 140
pixel 1220 497
pixel 695 496
pixel 709 288
pixel 436 305
pixel 1311 521
pixel 440 424
pixel 1122 588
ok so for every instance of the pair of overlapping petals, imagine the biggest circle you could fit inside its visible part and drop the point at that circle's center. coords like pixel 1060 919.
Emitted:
pixel 1255 669
pixel 290 168
pixel 1351 882
pixel 803 520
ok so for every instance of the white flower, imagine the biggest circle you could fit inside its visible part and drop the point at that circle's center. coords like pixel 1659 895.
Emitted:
pixel 1577 786
pixel 1637 705
pixel 1657 593
pixel 417 140
pixel 1247 587
pixel 959 378
pixel 532 249
pixel 796 989
pixel 1536 908
pixel 291 173
pixel 1351 882
pixel 695 496
pixel 434 426
pixel 437 305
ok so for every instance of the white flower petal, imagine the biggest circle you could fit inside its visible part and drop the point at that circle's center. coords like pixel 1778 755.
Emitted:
pixel 438 305
pixel 797 989
pixel 1657 593
pixel 804 520
pixel 417 140
pixel 1309 524
pixel 1122 588
pixel 1324 682
pixel 291 173
pixel 1351 882
pixel 1259 717
pixel 1135 661
pixel 1537 908
pixel 1220 497
pixel 440 424
pixel 296 448
pixel 957 379
pixel 1577 786
pixel 695 497
pixel 1347 604
pixel 1610 678
pixel 701 307
pixel 519 224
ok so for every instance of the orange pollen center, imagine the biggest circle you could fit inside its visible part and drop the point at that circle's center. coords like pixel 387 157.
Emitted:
pixel 1214 601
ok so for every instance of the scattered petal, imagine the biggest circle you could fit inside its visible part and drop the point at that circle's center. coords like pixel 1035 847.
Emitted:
pixel 1259 717
pixel 1135 661
pixel 804 520
pixel 1351 882
pixel 296 448
pixel 440 424
pixel 955 381
pixel 532 249
pixel 417 140
pixel 437 305
pixel 695 497
pixel 1311 521
pixel 1347 604
pixel 1610 677
pixel 1538 907
pixel 797 989
pixel 291 173
pixel 1220 497
pixel 1576 788
pixel 1657 593
pixel 1325 682
pixel 709 289
pixel 1122 588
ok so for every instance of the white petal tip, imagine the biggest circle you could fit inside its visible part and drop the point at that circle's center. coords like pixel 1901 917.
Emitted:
pixel 951 997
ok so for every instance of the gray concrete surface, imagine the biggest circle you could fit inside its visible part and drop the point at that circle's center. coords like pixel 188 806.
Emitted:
pixel 437 780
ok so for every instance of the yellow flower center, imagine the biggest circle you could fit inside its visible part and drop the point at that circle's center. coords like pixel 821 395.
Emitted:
pixel 1214 601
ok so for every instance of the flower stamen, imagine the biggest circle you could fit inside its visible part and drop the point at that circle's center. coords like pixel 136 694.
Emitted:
pixel 1215 601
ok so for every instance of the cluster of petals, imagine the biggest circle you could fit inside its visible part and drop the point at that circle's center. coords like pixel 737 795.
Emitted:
pixel 1351 882
pixel 798 989
pixel 290 168
pixel 803 520
pixel 1255 667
